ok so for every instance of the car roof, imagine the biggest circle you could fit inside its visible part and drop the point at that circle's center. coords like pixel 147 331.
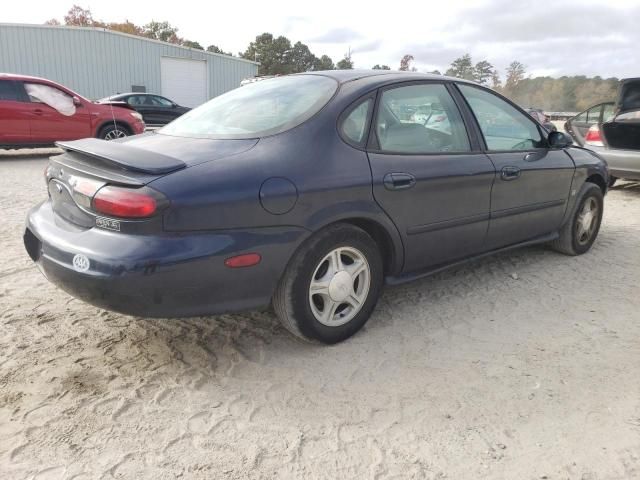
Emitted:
pixel 344 76
pixel 135 93
pixel 15 76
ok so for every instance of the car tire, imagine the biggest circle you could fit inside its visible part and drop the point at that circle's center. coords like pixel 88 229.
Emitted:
pixel 580 231
pixel 612 180
pixel 113 131
pixel 331 285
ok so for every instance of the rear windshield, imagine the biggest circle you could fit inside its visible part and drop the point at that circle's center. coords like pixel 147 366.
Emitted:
pixel 257 109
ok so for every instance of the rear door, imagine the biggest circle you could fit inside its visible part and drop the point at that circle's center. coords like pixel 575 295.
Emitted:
pixel 533 182
pixel 162 111
pixel 581 123
pixel 15 114
pixel 434 183
pixel 54 115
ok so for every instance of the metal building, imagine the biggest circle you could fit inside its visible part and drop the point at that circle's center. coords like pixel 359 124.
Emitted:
pixel 96 63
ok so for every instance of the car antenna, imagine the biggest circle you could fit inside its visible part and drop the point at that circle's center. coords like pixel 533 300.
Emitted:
pixel 113 116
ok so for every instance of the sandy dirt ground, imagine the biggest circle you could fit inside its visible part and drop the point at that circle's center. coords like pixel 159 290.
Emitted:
pixel 522 366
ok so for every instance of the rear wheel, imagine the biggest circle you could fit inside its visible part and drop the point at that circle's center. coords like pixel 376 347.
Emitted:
pixel 581 230
pixel 331 286
pixel 113 132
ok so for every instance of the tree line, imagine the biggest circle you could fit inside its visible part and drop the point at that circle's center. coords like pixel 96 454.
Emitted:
pixel 279 56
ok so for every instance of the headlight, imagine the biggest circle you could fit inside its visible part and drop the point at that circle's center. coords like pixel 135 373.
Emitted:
pixel 136 115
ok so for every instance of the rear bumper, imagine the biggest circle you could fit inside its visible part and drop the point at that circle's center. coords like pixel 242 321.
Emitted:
pixel 166 275
pixel 622 163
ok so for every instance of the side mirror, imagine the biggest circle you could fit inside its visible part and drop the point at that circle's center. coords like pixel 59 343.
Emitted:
pixel 559 140
pixel 77 102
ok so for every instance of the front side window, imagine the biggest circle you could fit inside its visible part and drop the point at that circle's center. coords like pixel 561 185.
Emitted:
pixel 420 119
pixel 136 100
pixel 503 126
pixel 257 109
pixel 354 124
pixel 593 114
pixel 9 91
pixel 55 98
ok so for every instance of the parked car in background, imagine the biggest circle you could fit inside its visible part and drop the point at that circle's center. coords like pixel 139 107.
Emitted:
pixel 578 126
pixel 308 192
pixel 613 131
pixel 542 118
pixel 155 109
pixel 35 112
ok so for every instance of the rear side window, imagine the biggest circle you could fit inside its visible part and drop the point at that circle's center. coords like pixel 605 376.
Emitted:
pixel 581 117
pixel 354 125
pixel 593 114
pixel 161 101
pixel 9 91
pixel 608 112
pixel 504 127
pixel 420 119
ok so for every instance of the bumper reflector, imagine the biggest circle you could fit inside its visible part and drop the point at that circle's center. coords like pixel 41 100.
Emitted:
pixel 245 260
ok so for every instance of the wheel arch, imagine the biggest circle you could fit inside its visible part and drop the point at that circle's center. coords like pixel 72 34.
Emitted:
pixel 382 238
pixel 120 123
pixel 599 180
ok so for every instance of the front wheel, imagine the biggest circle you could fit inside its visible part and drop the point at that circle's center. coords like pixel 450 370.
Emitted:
pixel 113 131
pixel 581 230
pixel 331 286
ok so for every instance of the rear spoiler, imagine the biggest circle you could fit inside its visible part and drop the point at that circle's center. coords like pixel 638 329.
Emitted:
pixel 123 156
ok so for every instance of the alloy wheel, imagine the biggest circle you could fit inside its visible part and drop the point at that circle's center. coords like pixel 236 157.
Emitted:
pixel 339 286
pixel 587 221
pixel 114 134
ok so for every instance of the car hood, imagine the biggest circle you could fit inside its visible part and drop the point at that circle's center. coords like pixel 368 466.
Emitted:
pixel 113 103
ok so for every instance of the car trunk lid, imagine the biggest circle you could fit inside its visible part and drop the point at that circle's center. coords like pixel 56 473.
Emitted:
pixel 623 132
pixel 88 165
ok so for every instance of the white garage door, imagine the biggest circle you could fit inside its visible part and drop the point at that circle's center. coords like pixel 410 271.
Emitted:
pixel 184 81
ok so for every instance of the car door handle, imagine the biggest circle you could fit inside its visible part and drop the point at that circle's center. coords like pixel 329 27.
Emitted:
pixel 510 173
pixel 398 181
pixel 37 111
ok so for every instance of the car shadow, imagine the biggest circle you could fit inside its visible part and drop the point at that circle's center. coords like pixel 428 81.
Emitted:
pixel 406 317
pixel 626 187
pixel 28 154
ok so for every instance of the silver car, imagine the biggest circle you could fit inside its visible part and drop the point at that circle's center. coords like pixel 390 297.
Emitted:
pixel 613 131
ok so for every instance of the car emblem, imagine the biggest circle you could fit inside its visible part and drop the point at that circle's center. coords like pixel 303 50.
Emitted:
pixel 80 262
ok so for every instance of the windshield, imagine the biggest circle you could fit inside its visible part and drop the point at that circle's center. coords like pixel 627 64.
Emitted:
pixel 256 110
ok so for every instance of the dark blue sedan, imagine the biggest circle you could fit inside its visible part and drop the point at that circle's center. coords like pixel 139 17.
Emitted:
pixel 309 192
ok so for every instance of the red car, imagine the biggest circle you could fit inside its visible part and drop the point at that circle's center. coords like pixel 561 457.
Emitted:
pixel 35 112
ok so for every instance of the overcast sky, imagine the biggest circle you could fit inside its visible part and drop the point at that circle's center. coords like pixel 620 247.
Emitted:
pixel 599 37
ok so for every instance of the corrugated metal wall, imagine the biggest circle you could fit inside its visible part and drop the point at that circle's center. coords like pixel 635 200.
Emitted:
pixel 97 63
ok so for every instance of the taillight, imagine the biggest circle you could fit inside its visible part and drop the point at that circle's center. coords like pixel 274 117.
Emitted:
pixel 593 137
pixel 124 202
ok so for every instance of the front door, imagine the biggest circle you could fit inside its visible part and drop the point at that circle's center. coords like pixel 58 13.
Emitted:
pixel 533 182
pixel 54 116
pixel 431 180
